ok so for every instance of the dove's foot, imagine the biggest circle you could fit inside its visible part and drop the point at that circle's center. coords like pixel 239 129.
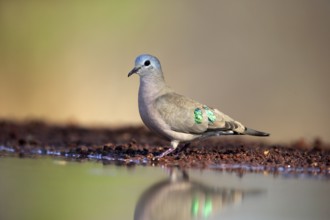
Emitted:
pixel 170 150
pixel 174 145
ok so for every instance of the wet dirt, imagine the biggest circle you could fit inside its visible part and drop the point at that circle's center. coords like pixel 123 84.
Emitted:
pixel 137 146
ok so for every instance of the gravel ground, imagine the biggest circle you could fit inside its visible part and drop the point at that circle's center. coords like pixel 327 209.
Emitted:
pixel 137 146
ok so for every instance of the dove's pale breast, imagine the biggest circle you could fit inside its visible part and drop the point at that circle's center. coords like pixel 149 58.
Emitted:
pixel 148 94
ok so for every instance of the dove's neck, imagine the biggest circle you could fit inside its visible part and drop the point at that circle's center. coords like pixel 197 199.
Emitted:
pixel 151 87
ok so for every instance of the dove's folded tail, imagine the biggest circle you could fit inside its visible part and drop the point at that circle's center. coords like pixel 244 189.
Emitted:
pixel 252 132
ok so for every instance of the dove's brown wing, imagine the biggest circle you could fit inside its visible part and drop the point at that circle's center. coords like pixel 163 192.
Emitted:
pixel 185 115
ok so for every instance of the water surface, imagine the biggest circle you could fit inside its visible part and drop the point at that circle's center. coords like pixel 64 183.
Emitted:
pixel 57 189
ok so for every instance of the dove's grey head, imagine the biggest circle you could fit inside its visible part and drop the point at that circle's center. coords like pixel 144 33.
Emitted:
pixel 146 65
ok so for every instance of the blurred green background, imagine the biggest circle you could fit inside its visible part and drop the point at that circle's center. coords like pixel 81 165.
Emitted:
pixel 265 63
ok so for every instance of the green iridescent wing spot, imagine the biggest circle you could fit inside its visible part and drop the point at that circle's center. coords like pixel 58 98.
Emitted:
pixel 210 115
pixel 198 115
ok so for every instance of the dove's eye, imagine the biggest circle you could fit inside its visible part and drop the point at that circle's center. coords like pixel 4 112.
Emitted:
pixel 147 63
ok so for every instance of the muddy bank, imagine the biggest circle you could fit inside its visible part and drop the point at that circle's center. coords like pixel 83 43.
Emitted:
pixel 137 145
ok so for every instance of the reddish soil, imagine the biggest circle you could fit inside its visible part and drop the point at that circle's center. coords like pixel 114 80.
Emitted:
pixel 137 145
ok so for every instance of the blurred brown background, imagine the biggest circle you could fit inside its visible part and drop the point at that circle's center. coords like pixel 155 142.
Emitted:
pixel 265 63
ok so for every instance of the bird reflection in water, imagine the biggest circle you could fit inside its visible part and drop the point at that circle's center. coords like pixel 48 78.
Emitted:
pixel 178 197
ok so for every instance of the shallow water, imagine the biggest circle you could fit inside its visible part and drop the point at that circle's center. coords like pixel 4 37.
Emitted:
pixel 57 189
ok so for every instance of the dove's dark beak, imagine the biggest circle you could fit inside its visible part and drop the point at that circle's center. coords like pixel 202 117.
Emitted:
pixel 134 70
